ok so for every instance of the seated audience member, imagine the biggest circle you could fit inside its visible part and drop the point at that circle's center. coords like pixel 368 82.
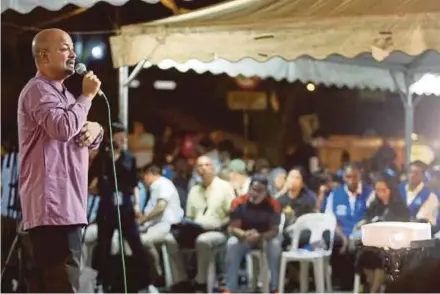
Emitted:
pixel 348 203
pixel 296 201
pixel 207 208
pixel 387 205
pixel 162 210
pixel 255 218
pixel 421 201
pixel 239 176
pixel 277 180
pixel 296 198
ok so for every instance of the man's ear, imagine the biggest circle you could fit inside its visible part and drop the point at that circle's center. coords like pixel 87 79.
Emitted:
pixel 43 56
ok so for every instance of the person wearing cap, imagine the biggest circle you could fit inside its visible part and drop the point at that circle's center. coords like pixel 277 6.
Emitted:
pixel 101 173
pixel 255 219
pixel 421 201
pixel 239 177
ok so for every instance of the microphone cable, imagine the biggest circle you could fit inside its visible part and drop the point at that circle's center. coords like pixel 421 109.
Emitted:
pixel 116 195
pixel 81 69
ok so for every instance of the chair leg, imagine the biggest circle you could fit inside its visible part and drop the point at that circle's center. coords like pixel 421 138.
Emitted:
pixel 328 275
pixel 250 270
pixel 318 270
pixel 264 273
pixel 212 275
pixel 357 283
pixel 282 274
pixel 304 276
pixel 167 267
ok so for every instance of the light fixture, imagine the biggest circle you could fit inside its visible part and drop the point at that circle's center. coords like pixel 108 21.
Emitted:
pixel 164 85
pixel 97 52
pixel 310 87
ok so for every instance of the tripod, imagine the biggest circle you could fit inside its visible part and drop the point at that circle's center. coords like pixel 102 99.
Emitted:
pixel 20 285
pixel 11 216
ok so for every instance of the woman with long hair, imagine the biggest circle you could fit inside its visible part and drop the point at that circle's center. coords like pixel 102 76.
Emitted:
pixel 295 198
pixel 387 205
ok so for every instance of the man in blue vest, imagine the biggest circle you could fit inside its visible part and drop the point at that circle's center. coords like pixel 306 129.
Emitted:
pixel 422 202
pixel 348 203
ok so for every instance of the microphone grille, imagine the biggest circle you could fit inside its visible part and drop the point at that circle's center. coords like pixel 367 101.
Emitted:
pixel 80 69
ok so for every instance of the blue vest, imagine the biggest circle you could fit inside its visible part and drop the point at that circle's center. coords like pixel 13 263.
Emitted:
pixel 417 203
pixel 347 218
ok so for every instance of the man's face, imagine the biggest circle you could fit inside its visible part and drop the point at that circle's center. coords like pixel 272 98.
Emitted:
pixel 204 167
pixel 119 140
pixel 352 178
pixel 59 56
pixel 257 192
pixel 148 178
pixel 415 175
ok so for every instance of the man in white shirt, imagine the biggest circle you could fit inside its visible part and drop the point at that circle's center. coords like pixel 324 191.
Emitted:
pixel 208 205
pixel 421 201
pixel 162 210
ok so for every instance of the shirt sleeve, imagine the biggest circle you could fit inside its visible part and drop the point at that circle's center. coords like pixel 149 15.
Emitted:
pixel 166 191
pixel 235 213
pixel 95 144
pixel 190 208
pixel 60 122
pixel 275 220
pixel 429 209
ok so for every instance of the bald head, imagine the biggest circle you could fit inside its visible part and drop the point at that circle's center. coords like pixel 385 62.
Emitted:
pixel 53 53
pixel 205 167
pixel 204 160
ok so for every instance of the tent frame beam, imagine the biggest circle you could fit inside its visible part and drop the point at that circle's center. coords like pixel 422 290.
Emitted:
pixel 123 98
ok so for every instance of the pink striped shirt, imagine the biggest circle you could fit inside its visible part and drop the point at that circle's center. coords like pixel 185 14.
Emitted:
pixel 53 167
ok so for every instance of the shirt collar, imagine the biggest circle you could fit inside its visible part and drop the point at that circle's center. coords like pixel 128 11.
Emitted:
pixel 358 191
pixel 59 86
pixel 416 190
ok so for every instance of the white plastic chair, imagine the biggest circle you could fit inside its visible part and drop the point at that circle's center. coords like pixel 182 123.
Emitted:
pixel 263 268
pixel 357 283
pixel 317 223
pixel 115 245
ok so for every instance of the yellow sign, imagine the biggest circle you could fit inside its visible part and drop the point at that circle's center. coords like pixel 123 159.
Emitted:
pixel 247 100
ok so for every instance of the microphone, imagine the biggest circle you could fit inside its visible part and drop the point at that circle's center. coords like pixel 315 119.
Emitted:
pixel 81 69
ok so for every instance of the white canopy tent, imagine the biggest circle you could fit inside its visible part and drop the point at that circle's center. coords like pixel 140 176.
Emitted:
pixel 26 6
pixel 270 39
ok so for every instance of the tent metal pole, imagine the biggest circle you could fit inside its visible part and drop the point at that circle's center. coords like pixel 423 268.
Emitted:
pixel 123 98
pixel 409 125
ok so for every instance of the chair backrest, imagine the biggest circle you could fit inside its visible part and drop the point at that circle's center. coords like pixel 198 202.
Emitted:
pixel 317 224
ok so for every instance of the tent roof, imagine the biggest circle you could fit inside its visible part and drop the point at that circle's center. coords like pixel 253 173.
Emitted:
pixel 284 28
pixel 362 72
pixel 26 6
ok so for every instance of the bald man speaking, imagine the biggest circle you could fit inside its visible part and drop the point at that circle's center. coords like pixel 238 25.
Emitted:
pixel 55 138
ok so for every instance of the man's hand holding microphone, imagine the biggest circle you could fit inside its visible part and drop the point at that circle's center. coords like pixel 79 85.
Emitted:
pixel 90 88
